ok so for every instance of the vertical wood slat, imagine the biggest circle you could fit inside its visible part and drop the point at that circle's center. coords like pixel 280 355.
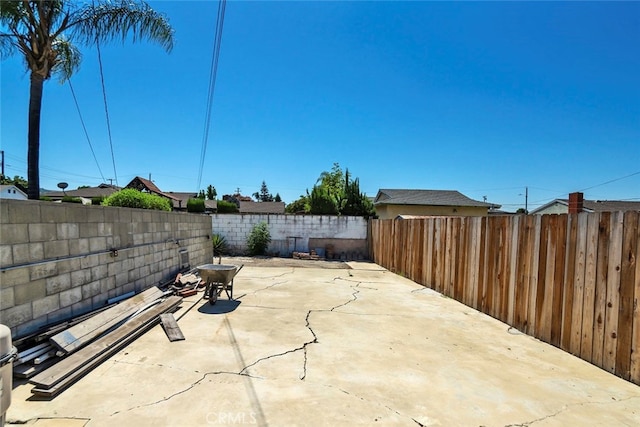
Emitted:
pixel 613 294
pixel 627 279
pixel 635 335
pixel 578 288
pixel 602 272
pixel 560 235
pixel 589 295
pixel 569 276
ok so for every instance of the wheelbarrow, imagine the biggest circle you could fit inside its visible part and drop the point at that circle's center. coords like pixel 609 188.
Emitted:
pixel 218 278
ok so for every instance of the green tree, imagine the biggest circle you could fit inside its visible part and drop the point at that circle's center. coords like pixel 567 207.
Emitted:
pixel 211 192
pixel 201 195
pixel 355 203
pixel 322 202
pixel 277 198
pixel 333 182
pixel 47 33
pixel 226 207
pixel 263 195
pixel 298 206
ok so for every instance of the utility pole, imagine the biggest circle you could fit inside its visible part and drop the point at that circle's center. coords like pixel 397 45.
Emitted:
pixel 526 200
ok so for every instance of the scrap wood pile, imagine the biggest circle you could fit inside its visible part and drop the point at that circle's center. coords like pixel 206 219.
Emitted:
pixel 57 357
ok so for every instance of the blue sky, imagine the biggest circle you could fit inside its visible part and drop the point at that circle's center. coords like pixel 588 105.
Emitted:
pixel 486 98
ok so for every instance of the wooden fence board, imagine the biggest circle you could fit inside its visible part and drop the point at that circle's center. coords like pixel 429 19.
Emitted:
pixel 560 236
pixel 589 293
pixel 613 295
pixel 625 311
pixel 578 287
pixel 635 336
pixel 569 282
pixel 602 272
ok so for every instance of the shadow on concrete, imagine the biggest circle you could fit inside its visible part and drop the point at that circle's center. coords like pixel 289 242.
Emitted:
pixel 222 306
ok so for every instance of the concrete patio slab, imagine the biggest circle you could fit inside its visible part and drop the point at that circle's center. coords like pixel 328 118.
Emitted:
pixel 318 346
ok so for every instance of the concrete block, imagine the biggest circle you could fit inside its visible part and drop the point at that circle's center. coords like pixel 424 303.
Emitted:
pixel 17 315
pixel 78 246
pixel 80 278
pixel 105 229
pixel 36 251
pixel 43 306
pixel 57 284
pixel 31 326
pixel 81 307
pixel 90 290
pixel 97 244
pixel 59 315
pixel 107 284
pixel 6 297
pixel 14 233
pixel 41 271
pixel 6 255
pixel 42 232
pixel 30 291
pixel 99 272
pixel 70 297
pixel 68 265
pixel 20 211
pixel 89 261
pixel 53 213
pixel 66 231
pixel 14 276
pixel 56 249
pixel 94 214
pixel 100 300
pixel 88 230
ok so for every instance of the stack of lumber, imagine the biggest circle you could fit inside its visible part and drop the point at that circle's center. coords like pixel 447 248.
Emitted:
pixel 74 351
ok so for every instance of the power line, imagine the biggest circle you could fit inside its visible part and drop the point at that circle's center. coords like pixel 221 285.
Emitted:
pixel 212 84
pixel 73 93
pixel 610 181
pixel 106 110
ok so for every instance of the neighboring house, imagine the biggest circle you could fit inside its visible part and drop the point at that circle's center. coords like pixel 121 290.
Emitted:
pixel 10 191
pixel 180 204
pixel 261 207
pixel 576 203
pixel 391 203
pixel 146 186
pixel 86 193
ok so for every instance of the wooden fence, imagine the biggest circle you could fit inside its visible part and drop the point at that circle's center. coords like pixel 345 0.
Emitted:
pixel 570 280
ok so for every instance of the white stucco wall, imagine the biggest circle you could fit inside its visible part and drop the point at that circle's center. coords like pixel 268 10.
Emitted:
pixel 287 230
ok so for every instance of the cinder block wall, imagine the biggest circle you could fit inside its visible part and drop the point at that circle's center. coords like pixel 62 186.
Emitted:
pixel 291 232
pixel 57 259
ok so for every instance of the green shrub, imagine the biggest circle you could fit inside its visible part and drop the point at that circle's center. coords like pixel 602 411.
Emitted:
pixel 227 207
pixel 220 246
pixel 130 198
pixel 97 200
pixel 259 239
pixel 195 205
pixel 70 199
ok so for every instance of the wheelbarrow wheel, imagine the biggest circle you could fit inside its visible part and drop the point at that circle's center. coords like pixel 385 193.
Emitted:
pixel 213 293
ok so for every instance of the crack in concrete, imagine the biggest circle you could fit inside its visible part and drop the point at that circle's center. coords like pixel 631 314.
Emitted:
pixel 566 408
pixel 186 389
pixel 33 420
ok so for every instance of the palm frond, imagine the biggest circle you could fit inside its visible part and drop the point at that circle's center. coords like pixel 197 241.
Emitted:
pixel 105 21
pixel 68 58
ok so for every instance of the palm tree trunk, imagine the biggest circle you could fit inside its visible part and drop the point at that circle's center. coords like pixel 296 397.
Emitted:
pixel 33 156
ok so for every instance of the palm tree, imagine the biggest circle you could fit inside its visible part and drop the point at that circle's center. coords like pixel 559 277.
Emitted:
pixel 44 32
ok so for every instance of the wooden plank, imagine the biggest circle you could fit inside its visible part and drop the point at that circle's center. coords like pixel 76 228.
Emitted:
pixel 513 224
pixel 627 279
pixel 81 334
pixel 523 265
pixel 589 294
pixel 613 294
pixel 569 281
pixel 560 237
pixel 483 273
pixel 578 280
pixel 635 338
pixel 171 327
pixel 541 321
pixel 71 368
pixel 602 270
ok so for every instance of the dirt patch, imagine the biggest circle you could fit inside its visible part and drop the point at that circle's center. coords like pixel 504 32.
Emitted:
pixel 263 261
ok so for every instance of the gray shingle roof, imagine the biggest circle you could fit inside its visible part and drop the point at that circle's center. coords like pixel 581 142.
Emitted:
pixel 596 205
pixel 262 207
pixel 426 197
pixel 103 190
